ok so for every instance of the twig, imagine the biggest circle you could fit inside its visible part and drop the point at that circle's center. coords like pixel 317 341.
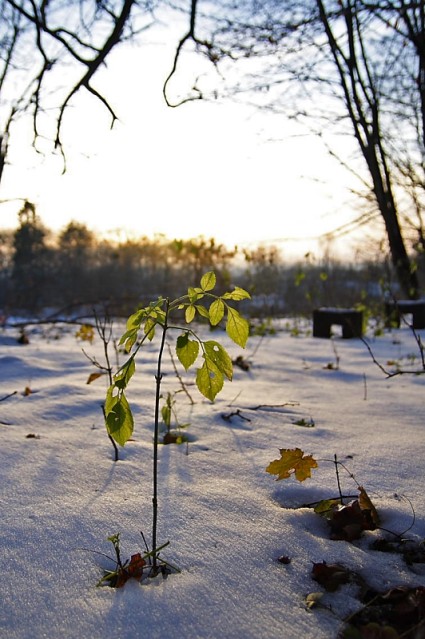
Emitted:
pixel 2 399
pixel 237 413
pixel 271 406
pixel 315 503
pixel 336 354
pixel 337 479
pixel 421 348
pixel 257 347
pixel 179 377
pixel 387 373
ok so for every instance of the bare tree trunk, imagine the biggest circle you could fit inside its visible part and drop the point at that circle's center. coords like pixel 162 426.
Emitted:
pixel 3 153
pixel 362 103
pixel 384 197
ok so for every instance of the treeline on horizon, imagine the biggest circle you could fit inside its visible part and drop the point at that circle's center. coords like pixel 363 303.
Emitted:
pixel 76 269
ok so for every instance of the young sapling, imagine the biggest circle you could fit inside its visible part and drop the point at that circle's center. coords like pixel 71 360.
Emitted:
pixel 159 317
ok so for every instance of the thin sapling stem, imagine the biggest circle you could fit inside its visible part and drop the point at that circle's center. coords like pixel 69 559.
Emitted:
pixel 336 462
pixel 158 378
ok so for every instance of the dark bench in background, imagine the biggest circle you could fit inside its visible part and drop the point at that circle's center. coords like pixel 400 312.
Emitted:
pixel 394 311
pixel 350 320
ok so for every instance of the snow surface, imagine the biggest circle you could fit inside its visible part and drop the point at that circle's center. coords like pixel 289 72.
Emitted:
pixel 227 520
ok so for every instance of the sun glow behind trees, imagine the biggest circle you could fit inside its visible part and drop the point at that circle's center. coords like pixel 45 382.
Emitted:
pixel 209 169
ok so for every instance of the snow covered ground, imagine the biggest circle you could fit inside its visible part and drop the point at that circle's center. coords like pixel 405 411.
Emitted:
pixel 227 519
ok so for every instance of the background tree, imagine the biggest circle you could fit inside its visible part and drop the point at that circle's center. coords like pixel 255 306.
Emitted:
pixel 196 256
pixel 75 260
pixel 338 67
pixel 31 262
pixel 6 260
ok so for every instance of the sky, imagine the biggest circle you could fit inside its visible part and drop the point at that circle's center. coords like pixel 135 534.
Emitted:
pixel 214 169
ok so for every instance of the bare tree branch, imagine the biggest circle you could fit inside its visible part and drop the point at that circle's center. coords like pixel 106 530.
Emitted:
pixel 34 42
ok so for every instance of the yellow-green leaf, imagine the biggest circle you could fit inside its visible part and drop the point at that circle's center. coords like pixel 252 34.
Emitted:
pixel 126 372
pixel 129 339
pixel 216 313
pixel 190 313
pixel 292 461
pixel 187 350
pixel 237 294
pixel 135 320
pixel 237 327
pixel 209 380
pixel 85 333
pixel 219 356
pixel 195 294
pixel 149 328
pixel 326 506
pixel 118 417
pixel 208 281
pixel 202 311
pixel 166 415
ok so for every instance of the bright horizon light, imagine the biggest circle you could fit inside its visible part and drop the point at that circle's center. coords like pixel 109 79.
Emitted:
pixel 202 169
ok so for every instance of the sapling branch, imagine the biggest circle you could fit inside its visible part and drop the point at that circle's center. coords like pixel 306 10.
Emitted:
pixel 105 335
pixel 104 330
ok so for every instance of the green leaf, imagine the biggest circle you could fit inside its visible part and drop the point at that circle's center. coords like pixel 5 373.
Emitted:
pixel 187 350
pixel 208 281
pixel 237 294
pixel 209 380
pixel 126 372
pixel 219 356
pixel 216 313
pixel 237 327
pixel 190 313
pixel 119 419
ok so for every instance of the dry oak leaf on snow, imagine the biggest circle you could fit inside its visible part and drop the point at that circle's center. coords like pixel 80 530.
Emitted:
pixel 132 570
pixel 347 522
pixel 331 576
pixel 292 461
